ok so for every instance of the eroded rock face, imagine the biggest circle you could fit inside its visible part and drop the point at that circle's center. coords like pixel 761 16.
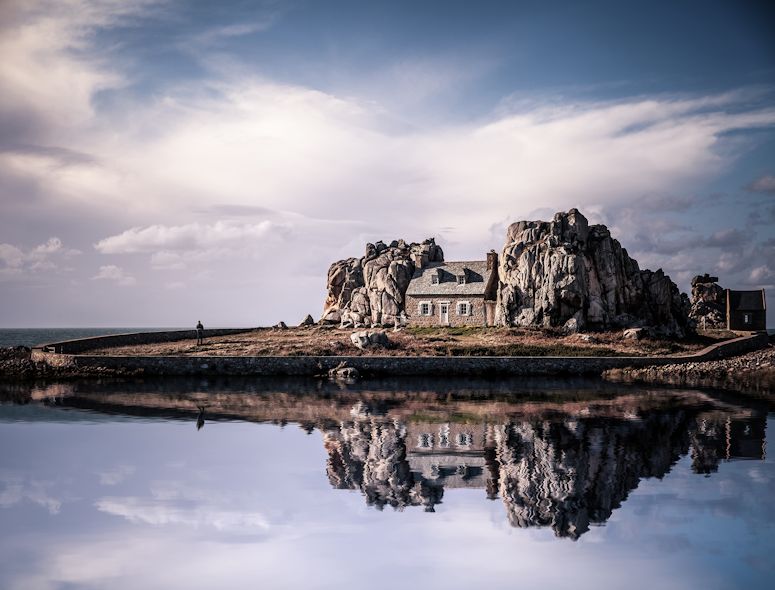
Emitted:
pixel 566 273
pixel 370 454
pixel 568 475
pixel 709 303
pixel 370 290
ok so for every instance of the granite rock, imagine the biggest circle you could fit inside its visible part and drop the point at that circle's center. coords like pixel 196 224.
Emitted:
pixel 565 273
pixel 709 303
pixel 370 290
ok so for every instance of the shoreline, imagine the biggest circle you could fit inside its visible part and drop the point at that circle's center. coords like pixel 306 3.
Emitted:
pixel 71 359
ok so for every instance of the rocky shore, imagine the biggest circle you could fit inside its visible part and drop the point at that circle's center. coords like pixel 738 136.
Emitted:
pixel 16 364
pixel 751 372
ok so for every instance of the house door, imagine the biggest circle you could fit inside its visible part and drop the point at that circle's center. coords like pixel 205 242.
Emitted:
pixel 444 314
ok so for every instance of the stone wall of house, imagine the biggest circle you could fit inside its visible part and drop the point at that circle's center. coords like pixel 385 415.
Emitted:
pixel 476 316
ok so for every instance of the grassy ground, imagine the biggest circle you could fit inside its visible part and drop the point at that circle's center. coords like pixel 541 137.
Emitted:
pixel 439 341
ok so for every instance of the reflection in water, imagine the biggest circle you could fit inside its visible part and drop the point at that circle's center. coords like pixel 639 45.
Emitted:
pixel 555 456
pixel 200 419
pixel 566 473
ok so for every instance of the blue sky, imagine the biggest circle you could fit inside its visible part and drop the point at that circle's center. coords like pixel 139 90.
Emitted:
pixel 163 162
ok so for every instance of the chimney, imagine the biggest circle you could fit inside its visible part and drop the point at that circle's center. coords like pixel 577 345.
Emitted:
pixel 420 259
pixel 492 260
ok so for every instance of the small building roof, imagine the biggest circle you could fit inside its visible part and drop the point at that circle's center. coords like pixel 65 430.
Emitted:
pixel 746 300
pixel 475 271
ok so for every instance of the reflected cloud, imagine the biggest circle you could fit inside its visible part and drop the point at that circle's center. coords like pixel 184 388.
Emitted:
pixel 156 512
pixel 17 490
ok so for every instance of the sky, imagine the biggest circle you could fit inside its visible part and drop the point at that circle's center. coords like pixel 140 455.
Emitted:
pixel 163 162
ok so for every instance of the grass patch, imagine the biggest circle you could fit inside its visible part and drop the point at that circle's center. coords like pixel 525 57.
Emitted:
pixel 531 350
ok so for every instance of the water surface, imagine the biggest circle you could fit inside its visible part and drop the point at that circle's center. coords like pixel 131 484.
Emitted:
pixel 448 484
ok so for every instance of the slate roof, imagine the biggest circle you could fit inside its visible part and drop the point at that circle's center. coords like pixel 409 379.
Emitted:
pixel 476 279
pixel 746 300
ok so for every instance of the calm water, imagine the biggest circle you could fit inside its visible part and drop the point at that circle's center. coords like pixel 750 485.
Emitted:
pixel 390 484
pixel 36 336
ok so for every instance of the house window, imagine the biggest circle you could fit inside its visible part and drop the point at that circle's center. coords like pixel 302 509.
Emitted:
pixel 463 308
pixel 746 318
pixel 465 439
pixel 444 436
pixel 435 279
pixel 461 279
pixel 425 440
pixel 425 308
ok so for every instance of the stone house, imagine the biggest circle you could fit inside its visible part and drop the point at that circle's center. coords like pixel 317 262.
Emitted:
pixel 453 293
pixel 746 310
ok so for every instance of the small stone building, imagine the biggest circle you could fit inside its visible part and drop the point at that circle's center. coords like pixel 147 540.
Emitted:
pixel 746 310
pixel 453 293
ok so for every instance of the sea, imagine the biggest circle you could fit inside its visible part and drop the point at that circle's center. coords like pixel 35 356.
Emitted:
pixel 432 483
pixel 36 336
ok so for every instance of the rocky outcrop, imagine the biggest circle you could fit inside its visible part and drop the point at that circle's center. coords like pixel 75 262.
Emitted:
pixel 370 290
pixel 570 474
pixel 369 338
pixel 566 273
pixel 709 303
pixel 370 454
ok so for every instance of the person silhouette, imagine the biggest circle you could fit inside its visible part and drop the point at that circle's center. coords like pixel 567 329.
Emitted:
pixel 200 331
pixel 200 419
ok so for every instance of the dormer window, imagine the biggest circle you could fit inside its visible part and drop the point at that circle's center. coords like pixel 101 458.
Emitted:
pixel 461 279
pixel 435 279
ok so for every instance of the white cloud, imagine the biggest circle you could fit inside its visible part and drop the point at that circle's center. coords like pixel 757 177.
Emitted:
pixel 43 257
pixel 192 236
pixel 138 510
pixel 764 184
pixel 116 274
pixel 116 475
pixel 762 274
pixel 17 490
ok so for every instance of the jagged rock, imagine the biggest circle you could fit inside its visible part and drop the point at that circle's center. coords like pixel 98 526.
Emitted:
pixel 281 326
pixel 709 303
pixel 370 290
pixel 343 373
pixel 368 338
pixel 371 455
pixel 568 274
pixel 634 334
pixel 308 321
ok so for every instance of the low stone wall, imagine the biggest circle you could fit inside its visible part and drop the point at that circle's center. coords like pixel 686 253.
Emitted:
pixel 114 340
pixel 385 365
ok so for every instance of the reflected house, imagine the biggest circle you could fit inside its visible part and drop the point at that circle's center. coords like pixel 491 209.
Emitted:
pixel 727 439
pixel 451 455
pixel 566 474
pixel 560 461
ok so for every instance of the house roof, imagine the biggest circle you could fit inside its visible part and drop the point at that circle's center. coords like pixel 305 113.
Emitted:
pixel 746 300
pixel 476 279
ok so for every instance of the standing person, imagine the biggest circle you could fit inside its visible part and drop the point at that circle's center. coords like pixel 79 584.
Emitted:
pixel 200 331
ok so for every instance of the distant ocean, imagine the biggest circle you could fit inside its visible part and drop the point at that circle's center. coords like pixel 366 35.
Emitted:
pixel 36 336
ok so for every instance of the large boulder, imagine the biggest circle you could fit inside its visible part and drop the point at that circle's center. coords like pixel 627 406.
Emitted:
pixel 565 273
pixel 370 290
pixel 369 338
pixel 709 303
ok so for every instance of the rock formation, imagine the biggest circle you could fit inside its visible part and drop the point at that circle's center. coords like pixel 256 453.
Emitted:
pixel 709 303
pixel 369 454
pixel 570 474
pixel 370 290
pixel 369 339
pixel 568 274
